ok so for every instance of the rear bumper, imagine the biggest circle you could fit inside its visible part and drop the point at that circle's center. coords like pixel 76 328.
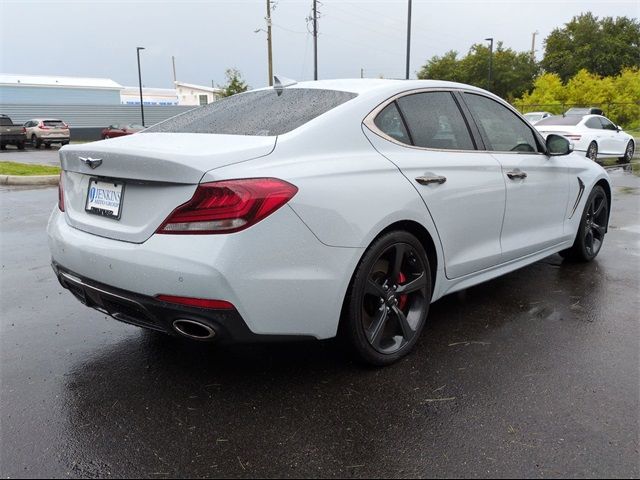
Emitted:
pixel 282 281
pixel 6 139
pixel 150 313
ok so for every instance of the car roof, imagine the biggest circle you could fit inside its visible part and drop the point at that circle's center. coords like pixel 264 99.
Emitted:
pixel 366 85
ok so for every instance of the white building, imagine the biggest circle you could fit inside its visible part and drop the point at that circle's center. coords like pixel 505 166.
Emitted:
pixel 189 94
pixel 150 96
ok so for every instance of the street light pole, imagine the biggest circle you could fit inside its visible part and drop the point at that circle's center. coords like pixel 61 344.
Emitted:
pixel 269 48
pixel 408 39
pixel 140 84
pixel 490 62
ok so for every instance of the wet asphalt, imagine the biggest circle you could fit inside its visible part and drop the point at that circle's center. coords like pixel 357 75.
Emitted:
pixel 535 374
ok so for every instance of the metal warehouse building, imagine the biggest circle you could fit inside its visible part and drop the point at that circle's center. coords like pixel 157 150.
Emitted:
pixel 46 90
pixel 87 105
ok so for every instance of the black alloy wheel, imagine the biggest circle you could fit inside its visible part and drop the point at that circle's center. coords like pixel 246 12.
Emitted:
pixel 628 153
pixel 592 151
pixel 593 228
pixel 389 299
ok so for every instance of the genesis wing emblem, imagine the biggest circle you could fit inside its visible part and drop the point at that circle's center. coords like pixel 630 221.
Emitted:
pixel 91 162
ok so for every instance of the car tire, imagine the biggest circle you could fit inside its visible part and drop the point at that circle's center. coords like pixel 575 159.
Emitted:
pixel 592 151
pixel 64 143
pixel 592 230
pixel 628 153
pixel 35 142
pixel 47 145
pixel 20 145
pixel 3 146
pixel 383 319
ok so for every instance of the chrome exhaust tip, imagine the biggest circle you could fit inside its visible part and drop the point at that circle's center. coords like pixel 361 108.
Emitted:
pixel 193 329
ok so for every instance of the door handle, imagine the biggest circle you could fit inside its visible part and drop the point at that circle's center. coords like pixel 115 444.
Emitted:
pixel 516 175
pixel 432 179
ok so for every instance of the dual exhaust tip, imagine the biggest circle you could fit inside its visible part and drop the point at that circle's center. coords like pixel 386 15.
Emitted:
pixel 194 329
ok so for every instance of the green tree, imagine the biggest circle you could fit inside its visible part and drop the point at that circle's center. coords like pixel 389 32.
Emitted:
pixel 513 72
pixel 235 83
pixel 548 92
pixel 603 47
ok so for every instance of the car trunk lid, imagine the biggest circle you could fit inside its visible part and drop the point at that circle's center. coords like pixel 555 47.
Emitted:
pixel 157 172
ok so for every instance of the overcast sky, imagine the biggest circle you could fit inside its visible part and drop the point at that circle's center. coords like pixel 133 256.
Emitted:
pixel 98 38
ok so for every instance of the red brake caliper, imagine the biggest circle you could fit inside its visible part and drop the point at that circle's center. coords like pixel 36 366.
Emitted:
pixel 402 299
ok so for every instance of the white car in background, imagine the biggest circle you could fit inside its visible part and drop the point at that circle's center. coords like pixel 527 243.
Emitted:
pixel 323 207
pixel 534 117
pixel 45 131
pixel 595 136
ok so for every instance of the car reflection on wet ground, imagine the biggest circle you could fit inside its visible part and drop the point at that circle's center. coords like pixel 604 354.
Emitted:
pixel 532 374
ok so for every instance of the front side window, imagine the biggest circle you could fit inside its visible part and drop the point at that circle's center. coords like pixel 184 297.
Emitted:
pixel 503 130
pixel 261 112
pixel 390 122
pixel 607 125
pixel 435 121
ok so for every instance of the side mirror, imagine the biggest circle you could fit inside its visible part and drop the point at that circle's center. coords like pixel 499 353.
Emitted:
pixel 618 128
pixel 558 145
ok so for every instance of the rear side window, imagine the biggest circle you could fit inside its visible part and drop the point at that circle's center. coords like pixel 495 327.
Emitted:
pixel 259 113
pixel 5 121
pixel 435 121
pixel 503 130
pixel 390 122
pixel 593 123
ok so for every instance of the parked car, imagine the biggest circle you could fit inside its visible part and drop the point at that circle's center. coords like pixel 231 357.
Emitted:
pixel 595 136
pixel 320 207
pixel 11 134
pixel 533 117
pixel 45 131
pixel 584 111
pixel 118 130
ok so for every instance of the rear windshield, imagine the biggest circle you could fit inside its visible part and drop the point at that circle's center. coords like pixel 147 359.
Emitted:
pixel 53 123
pixel 259 113
pixel 568 120
pixel 5 121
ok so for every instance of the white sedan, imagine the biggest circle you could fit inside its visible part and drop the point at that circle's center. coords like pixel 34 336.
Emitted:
pixel 594 135
pixel 320 207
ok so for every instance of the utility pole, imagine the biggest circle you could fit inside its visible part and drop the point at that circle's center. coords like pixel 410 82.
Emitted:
pixel 270 52
pixel 533 44
pixel 315 39
pixel 408 39
pixel 490 62
pixel 362 73
pixel 140 84
pixel 173 61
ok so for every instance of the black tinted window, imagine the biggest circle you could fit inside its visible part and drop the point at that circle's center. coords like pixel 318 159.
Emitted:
pixel 5 121
pixel 434 121
pixel 503 129
pixel 593 123
pixel 607 125
pixel 261 112
pixel 390 122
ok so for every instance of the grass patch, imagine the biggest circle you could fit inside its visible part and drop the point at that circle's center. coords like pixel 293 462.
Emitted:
pixel 25 169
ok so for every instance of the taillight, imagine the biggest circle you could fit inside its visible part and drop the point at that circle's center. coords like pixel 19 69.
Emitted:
pixel 197 302
pixel 61 194
pixel 42 126
pixel 228 206
pixel 24 129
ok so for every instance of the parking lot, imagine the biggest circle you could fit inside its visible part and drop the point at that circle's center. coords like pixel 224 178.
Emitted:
pixel 533 374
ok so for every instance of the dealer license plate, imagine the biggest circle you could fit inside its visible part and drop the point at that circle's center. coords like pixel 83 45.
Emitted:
pixel 104 198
